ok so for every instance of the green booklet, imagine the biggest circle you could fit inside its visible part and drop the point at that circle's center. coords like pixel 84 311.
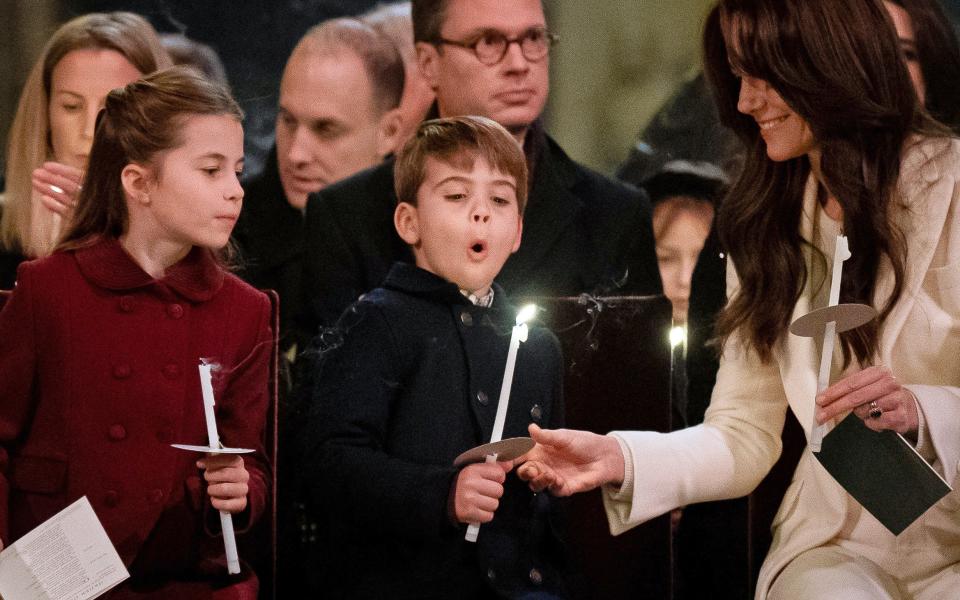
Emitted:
pixel 882 471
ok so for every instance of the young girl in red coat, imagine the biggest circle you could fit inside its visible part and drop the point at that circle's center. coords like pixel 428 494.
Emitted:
pixel 100 342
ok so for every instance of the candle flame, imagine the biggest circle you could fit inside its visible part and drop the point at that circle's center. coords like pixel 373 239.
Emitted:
pixel 527 313
pixel 678 335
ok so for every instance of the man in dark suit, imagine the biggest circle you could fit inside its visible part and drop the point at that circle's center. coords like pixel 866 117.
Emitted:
pixel 583 233
pixel 338 114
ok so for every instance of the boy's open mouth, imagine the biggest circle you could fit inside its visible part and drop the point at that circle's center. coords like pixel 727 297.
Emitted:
pixel 478 249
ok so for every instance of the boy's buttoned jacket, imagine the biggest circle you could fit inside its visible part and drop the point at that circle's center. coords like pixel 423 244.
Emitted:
pixel 409 380
pixel 99 376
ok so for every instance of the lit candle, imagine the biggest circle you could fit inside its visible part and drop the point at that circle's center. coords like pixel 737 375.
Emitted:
pixel 226 521
pixel 840 254
pixel 520 332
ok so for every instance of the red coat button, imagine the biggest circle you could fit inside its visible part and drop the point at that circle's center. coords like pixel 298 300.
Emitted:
pixel 175 311
pixel 171 371
pixel 121 371
pixel 111 498
pixel 163 436
pixel 117 432
pixel 155 496
pixel 126 304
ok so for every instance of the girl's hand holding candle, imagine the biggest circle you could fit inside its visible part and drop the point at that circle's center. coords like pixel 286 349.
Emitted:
pixel 226 522
pixel 226 479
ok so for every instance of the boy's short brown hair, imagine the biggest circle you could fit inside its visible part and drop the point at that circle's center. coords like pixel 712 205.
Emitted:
pixel 459 141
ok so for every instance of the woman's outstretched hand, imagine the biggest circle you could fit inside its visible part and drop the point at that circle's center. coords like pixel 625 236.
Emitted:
pixel 568 461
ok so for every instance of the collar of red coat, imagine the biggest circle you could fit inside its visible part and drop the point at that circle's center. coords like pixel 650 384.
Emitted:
pixel 197 277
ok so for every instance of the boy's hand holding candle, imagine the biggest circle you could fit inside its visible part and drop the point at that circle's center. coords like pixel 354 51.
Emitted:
pixel 479 488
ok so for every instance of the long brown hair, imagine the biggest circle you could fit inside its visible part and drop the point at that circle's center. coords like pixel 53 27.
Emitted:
pixel 138 121
pixel 27 226
pixel 838 66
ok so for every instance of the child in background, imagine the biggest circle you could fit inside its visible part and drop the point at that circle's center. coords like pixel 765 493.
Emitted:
pixel 414 380
pixel 101 341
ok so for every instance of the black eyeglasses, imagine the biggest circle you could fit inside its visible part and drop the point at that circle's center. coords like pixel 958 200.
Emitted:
pixel 491 46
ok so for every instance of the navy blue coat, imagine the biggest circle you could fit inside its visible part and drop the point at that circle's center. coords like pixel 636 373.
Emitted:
pixel 409 380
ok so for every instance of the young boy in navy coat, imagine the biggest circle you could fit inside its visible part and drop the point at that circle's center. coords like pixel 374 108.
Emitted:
pixel 410 379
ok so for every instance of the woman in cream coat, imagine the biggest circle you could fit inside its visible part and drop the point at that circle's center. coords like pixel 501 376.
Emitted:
pixel 836 142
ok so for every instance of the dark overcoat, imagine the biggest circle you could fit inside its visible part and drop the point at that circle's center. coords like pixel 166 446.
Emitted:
pixel 582 233
pixel 269 238
pixel 409 380
pixel 99 376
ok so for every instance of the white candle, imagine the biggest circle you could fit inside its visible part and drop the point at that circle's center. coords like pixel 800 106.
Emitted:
pixel 206 387
pixel 226 521
pixel 519 334
pixel 840 254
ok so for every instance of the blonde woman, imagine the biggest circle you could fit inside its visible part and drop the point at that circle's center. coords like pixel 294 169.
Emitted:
pixel 52 131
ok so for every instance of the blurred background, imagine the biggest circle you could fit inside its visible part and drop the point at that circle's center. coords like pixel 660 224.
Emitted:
pixel 617 61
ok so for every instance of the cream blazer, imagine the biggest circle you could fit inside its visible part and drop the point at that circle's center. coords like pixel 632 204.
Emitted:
pixel 730 453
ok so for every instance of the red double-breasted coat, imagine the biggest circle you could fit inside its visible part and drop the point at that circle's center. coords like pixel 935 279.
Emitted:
pixel 98 376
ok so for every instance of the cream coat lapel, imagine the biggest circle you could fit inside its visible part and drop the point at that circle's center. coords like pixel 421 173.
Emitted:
pixel 922 222
pixel 799 356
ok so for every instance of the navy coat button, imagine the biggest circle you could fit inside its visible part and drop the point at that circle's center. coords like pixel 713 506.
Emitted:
pixel 117 432
pixel 536 577
pixel 466 318
pixel 171 371
pixel 121 371
pixel 175 311
pixel 536 413
pixel 126 304
pixel 155 496
pixel 482 398
pixel 491 574
pixel 111 498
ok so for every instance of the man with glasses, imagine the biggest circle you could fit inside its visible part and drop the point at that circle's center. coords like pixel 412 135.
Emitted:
pixel 583 233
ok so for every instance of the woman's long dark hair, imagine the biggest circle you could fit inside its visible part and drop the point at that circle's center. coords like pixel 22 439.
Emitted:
pixel 838 66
